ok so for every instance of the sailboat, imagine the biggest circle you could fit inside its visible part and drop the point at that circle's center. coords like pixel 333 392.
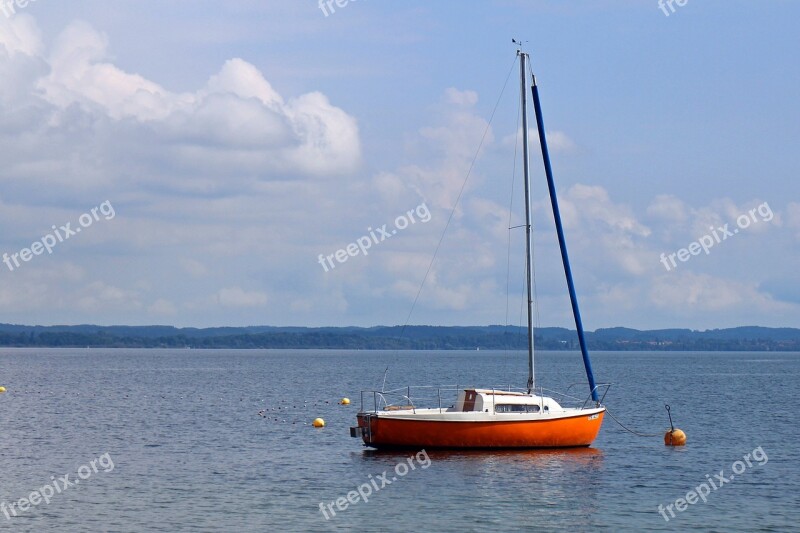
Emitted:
pixel 494 417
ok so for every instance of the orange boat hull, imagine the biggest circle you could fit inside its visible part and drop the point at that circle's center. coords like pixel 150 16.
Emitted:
pixel 386 432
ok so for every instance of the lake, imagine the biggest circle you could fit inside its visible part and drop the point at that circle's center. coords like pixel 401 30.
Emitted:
pixel 221 440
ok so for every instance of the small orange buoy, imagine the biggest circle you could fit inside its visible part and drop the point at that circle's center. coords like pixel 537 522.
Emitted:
pixel 675 437
pixel 318 423
pixel 345 401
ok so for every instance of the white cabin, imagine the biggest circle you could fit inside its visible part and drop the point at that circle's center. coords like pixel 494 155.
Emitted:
pixel 499 401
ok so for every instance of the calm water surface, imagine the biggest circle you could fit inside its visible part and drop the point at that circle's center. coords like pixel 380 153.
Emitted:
pixel 191 452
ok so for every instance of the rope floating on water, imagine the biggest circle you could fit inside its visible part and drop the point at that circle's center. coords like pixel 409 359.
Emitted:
pixel 673 437
pixel 623 426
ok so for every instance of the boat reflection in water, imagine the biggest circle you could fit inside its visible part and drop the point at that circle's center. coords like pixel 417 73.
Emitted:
pixel 554 459
pixel 526 487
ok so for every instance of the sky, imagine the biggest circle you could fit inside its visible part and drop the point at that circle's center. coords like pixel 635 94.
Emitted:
pixel 202 163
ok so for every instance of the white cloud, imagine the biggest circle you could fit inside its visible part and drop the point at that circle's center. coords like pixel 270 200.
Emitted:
pixel 610 230
pixel 557 141
pixel 20 35
pixel 229 182
pixel 449 147
pixel 668 208
pixel 690 293
pixel 592 204
pixel 99 295
pixel 194 268
pixel 162 307
pixel 238 297
pixel 792 218
pixel 461 98
pixel 79 75
pixel 107 126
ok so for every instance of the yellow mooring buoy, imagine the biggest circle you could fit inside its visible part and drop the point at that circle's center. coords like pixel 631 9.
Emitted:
pixel 345 401
pixel 318 423
pixel 2 390
pixel 674 437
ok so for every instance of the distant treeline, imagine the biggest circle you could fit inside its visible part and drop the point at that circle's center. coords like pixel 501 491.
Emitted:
pixel 750 338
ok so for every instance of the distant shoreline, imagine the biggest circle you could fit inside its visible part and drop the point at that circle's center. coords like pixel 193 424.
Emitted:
pixel 741 339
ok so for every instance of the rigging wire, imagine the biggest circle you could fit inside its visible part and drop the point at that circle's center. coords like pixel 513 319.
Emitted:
pixel 522 297
pixel 521 328
pixel 458 198
pixel 537 321
pixel 510 214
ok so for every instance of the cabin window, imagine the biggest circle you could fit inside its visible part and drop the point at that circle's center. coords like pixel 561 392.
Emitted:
pixel 516 408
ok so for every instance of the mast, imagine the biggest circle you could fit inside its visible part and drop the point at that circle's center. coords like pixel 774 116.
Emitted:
pixel 561 242
pixel 528 248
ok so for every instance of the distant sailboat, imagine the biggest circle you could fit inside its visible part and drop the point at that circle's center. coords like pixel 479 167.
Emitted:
pixel 493 417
